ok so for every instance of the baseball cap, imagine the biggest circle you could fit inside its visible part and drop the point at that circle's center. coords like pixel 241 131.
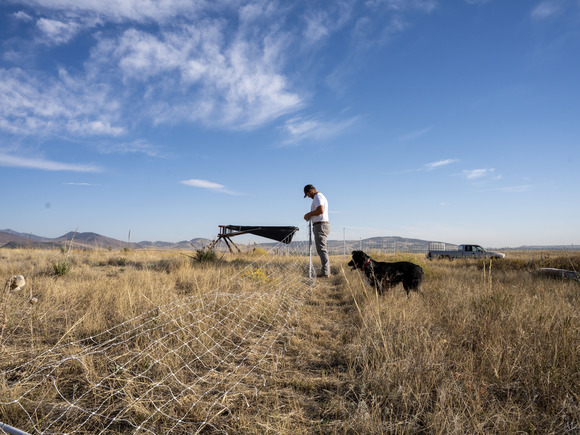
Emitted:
pixel 307 189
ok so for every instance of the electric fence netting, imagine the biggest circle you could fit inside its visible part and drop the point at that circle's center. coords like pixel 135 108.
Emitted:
pixel 173 369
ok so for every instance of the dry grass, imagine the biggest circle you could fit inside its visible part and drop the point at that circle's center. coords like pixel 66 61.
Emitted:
pixel 487 347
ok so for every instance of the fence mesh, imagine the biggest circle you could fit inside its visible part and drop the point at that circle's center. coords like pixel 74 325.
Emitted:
pixel 174 369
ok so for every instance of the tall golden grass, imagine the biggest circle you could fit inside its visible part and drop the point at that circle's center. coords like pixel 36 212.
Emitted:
pixel 486 347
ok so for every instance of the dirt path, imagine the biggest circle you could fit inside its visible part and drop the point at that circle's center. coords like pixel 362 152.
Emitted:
pixel 311 392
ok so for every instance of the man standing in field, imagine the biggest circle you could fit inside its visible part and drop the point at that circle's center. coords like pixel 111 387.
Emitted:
pixel 318 216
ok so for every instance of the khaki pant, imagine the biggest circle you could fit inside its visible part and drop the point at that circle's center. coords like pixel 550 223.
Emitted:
pixel 321 232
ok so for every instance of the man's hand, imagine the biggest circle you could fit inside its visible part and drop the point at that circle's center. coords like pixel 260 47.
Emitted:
pixel 319 210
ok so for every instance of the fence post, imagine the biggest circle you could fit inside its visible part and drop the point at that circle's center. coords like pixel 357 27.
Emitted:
pixel 310 249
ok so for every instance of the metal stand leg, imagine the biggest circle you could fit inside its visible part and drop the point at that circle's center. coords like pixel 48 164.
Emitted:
pixel 4 428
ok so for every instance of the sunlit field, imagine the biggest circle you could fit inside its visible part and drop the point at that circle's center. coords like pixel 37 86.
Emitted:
pixel 163 341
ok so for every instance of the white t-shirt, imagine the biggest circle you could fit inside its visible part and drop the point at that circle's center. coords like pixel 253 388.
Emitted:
pixel 319 199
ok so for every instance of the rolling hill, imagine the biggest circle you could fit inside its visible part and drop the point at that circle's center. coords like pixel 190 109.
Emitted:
pixel 10 239
pixel 89 240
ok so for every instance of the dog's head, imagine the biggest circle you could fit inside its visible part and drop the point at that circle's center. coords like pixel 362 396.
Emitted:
pixel 359 258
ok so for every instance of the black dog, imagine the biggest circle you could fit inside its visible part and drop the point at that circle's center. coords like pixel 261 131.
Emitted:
pixel 383 275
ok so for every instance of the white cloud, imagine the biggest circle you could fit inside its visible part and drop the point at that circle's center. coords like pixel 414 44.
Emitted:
pixel 57 32
pixel 440 163
pixel 429 166
pixel 210 185
pixel 300 129
pixel 22 16
pixel 516 189
pixel 204 69
pixel 322 23
pixel 473 174
pixel 414 134
pixel 80 184
pixel 221 64
pixel 477 2
pixel 132 10
pixel 197 73
pixel 36 104
pixel 316 28
pixel 46 165
pixel 204 184
pixel 546 9
pixel 400 5
pixel 133 147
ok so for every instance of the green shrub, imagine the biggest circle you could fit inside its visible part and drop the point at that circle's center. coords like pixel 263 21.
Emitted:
pixel 62 267
pixel 205 255
pixel 117 261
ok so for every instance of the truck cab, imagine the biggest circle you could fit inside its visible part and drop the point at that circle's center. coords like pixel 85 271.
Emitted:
pixel 474 249
pixel 463 251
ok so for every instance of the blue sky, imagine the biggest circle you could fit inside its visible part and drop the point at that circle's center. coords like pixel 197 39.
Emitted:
pixel 442 120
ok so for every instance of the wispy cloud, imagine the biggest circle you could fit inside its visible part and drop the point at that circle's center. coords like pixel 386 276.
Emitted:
pixel 127 10
pixel 516 189
pixel 42 164
pixel 202 183
pixel 473 174
pixel 201 73
pixel 23 16
pixel 57 32
pixel 477 2
pixel 300 129
pixel 39 105
pixel 220 64
pixel 210 185
pixel 134 147
pixel 440 163
pixel 401 5
pixel 430 166
pixel 203 70
pixel 80 184
pixel 546 9
pixel 322 23
pixel 414 134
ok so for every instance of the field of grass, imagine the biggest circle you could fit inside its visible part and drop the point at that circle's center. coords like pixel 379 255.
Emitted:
pixel 156 342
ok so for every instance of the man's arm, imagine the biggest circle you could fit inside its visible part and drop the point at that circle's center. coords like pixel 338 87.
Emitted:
pixel 317 212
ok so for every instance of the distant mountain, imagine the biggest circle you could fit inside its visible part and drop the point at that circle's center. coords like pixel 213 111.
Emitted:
pixel 93 240
pixel 395 239
pixel 7 237
pixel 30 245
pixel 545 248
pixel 383 244
pixel 197 243
pixel 392 244
pixel 155 245
pixel 12 239
pixel 25 235
pixel 90 240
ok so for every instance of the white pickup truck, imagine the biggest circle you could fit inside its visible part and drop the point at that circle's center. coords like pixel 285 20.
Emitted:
pixel 464 251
